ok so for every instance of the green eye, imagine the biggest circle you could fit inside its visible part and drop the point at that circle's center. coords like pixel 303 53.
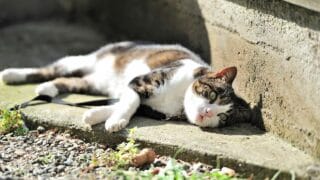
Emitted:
pixel 223 117
pixel 212 96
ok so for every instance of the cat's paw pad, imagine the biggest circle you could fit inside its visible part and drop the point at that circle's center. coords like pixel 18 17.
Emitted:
pixel 47 88
pixel 114 126
pixel 14 75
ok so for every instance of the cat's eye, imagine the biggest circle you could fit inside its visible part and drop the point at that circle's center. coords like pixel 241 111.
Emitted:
pixel 223 117
pixel 212 96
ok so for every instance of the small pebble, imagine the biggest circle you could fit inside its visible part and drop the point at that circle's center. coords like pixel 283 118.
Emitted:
pixel 314 170
pixel 19 152
pixel 41 129
pixel 68 162
pixel 228 171
pixel 60 168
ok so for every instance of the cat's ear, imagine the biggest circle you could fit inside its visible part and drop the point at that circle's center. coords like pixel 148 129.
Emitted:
pixel 228 74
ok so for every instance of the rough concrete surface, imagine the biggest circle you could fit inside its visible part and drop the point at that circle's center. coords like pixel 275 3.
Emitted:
pixel 310 4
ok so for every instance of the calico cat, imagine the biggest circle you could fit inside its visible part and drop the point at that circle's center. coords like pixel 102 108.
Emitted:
pixel 169 79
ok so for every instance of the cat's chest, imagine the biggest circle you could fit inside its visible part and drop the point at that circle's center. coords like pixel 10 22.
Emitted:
pixel 169 103
pixel 169 97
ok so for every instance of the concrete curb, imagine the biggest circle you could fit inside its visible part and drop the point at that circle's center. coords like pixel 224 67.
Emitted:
pixel 242 147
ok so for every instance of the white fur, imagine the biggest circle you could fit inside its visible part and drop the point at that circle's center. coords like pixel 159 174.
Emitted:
pixel 74 63
pixel 97 115
pixel 104 78
pixel 47 88
pixel 194 105
pixel 15 75
pixel 124 109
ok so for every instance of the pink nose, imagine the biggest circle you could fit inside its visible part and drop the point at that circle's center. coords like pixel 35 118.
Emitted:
pixel 204 114
pixel 208 112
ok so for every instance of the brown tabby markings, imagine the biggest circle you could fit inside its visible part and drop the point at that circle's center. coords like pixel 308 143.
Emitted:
pixel 205 85
pixel 200 71
pixel 49 73
pixel 41 75
pixel 146 84
pixel 165 57
pixel 124 58
pixel 114 50
pixel 154 58
pixel 76 85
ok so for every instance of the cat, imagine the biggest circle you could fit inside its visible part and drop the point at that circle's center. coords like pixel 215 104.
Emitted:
pixel 170 79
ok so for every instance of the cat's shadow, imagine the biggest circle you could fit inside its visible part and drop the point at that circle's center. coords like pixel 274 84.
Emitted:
pixel 236 129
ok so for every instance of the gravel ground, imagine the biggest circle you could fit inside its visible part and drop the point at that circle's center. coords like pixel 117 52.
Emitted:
pixel 49 154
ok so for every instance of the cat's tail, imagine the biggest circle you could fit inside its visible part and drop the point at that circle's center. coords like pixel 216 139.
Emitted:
pixel 49 99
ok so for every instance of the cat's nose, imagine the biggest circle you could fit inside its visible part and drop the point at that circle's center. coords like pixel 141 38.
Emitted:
pixel 208 112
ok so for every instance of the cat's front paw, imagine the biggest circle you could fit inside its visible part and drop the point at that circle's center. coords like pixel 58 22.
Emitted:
pixel 88 117
pixel 96 115
pixel 115 125
pixel 15 75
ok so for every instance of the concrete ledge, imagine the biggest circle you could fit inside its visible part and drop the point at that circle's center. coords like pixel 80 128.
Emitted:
pixel 243 147
pixel 309 4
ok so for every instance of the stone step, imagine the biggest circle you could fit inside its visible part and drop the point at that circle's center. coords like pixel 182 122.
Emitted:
pixel 242 147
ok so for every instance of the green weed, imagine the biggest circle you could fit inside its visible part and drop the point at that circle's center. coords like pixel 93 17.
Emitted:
pixel 119 158
pixel 46 159
pixel 172 171
pixel 11 121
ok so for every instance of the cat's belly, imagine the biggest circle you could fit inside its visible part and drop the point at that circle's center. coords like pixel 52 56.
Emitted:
pixel 166 106
pixel 112 82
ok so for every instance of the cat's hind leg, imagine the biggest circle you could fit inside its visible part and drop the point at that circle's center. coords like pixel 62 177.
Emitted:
pixel 66 85
pixel 67 66
pixel 123 110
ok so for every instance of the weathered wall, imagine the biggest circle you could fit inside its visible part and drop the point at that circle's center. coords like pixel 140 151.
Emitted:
pixel 14 11
pixel 274 44
pixel 34 32
pixel 159 21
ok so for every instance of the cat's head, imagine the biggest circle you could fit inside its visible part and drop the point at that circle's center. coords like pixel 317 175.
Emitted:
pixel 209 99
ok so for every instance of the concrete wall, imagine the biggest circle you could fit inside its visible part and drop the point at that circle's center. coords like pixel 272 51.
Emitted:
pixel 309 4
pixel 276 46
pixel 14 11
